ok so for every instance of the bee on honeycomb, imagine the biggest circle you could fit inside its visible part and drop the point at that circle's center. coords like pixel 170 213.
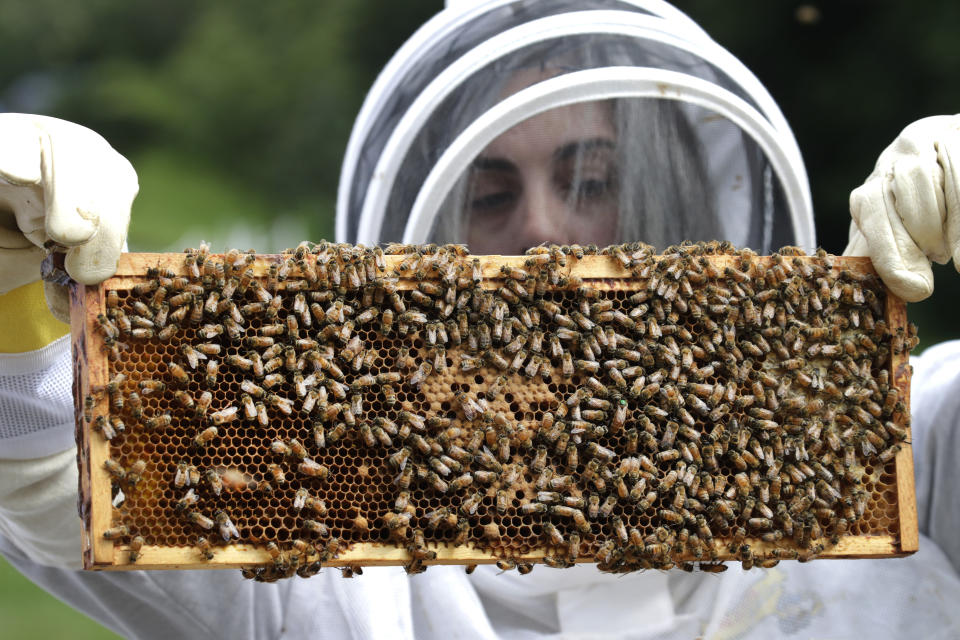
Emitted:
pixel 713 405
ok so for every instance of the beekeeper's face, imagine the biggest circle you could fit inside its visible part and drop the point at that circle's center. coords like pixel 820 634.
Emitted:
pixel 553 178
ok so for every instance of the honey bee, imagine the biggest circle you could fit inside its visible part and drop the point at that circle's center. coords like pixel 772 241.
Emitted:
pixel 316 528
pixel 313 469
pixel 178 373
pixel 506 564
pixel 115 469
pixel 240 362
pixel 279 477
pixel 158 422
pixel 420 375
pixel 186 400
pixel 197 518
pixel 148 387
pixel 88 404
pixel 203 546
pixel 135 472
pixel 262 418
pixel 205 437
pixel 606 509
pixel 215 481
pixel 227 529
pixel 530 508
pixel 114 533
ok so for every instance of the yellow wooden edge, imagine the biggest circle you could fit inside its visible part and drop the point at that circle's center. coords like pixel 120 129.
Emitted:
pixel 900 374
pixel 592 266
pixel 370 554
pixel 602 271
pixel 99 448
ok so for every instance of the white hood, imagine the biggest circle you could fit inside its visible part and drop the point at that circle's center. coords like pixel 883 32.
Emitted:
pixel 439 102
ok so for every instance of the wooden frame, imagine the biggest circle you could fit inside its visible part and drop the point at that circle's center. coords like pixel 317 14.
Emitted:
pixel 91 371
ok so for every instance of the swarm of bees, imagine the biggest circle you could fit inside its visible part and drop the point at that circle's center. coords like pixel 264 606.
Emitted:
pixel 713 401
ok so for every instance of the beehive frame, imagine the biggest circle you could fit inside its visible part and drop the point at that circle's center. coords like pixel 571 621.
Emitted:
pixel 92 370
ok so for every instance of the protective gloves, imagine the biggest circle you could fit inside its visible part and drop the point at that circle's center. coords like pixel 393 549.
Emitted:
pixel 60 183
pixel 907 212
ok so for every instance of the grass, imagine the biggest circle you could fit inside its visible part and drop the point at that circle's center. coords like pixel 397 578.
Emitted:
pixel 27 611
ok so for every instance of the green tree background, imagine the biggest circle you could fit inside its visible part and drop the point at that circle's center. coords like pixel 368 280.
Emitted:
pixel 236 114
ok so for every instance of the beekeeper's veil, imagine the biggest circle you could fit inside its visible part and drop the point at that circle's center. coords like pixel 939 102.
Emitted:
pixel 701 150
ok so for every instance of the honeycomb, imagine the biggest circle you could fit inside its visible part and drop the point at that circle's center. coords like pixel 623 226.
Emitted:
pixel 712 403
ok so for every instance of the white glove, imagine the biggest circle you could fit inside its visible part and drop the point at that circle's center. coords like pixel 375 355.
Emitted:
pixel 907 212
pixel 60 183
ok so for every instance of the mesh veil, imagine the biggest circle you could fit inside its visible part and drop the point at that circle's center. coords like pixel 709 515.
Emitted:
pixel 409 81
pixel 684 172
pixel 36 406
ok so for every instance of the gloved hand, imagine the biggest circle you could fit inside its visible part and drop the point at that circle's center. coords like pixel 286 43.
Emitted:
pixel 61 183
pixel 907 212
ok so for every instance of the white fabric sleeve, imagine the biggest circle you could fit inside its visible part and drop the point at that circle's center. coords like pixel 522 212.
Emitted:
pixel 935 413
pixel 38 469
pixel 38 508
pixel 36 405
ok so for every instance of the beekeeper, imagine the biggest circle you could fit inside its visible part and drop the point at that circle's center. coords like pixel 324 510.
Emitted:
pixel 505 125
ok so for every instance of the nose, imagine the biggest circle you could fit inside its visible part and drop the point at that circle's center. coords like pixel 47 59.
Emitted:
pixel 543 217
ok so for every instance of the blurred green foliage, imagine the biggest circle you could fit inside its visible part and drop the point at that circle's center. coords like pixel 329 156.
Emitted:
pixel 27 611
pixel 236 113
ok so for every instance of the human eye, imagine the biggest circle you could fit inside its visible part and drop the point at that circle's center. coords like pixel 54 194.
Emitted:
pixel 588 178
pixel 593 188
pixel 587 193
pixel 495 201
pixel 492 190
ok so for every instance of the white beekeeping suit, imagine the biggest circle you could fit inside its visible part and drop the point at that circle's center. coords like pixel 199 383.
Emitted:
pixel 685 144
